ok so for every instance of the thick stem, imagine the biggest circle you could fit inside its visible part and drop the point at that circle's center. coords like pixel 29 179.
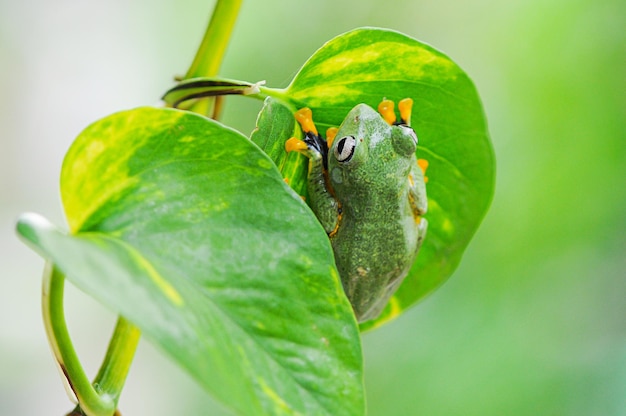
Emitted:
pixel 213 47
pixel 212 50
pixel 100 399
pixel 77 384
pixel 112 375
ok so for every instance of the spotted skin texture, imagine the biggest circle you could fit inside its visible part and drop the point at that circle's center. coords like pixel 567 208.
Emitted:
pixel 368 192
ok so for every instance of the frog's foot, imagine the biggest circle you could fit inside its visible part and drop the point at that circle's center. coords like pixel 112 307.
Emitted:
pixel 303 146
pixel 385 108
pixel 312 145
pixel 330 136
pixel 304 116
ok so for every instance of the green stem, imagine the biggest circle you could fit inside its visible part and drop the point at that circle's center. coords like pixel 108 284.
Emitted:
pixel 77 384
pixel 192 89
pixel 112 375
pixel 211 52
pixel 213 47
pixel 100 399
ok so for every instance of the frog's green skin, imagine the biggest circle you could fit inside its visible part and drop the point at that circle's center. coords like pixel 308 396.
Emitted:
pixel 370 202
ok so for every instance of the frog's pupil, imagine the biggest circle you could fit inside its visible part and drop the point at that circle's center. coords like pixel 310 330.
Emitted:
pixel 345 148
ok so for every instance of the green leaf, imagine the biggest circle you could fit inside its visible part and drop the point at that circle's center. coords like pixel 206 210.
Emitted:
pixel 277 121
pixel 367 65
pixel 186 228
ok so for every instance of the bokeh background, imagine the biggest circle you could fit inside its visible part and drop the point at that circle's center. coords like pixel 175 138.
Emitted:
pixel 534 320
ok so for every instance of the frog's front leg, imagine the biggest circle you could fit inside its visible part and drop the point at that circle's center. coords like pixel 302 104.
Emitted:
pixel 321 199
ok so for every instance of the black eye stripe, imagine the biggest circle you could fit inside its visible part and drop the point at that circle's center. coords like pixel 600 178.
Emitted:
pixel 340 145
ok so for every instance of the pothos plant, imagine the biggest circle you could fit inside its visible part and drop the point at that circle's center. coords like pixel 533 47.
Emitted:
pixel 201 238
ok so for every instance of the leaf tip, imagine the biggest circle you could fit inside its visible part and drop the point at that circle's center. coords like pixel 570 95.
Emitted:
pixel 28 223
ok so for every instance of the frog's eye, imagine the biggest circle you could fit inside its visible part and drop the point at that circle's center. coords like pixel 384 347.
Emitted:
pixel 345 148
pixel 409 132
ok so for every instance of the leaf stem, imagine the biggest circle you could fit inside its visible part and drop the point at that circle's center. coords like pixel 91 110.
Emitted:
pixel 203 87
pixel 77 384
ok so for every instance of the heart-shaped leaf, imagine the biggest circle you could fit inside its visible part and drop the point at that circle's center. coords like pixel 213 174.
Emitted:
pixel 186 228
pixel 275 125
pixel 367 65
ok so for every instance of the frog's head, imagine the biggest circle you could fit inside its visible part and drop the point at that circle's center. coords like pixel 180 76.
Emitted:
pixel 368 152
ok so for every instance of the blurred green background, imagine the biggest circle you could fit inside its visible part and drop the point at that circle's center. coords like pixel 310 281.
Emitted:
pixel 534 320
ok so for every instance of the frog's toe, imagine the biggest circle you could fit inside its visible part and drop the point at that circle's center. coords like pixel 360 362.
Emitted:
pixel 313 146
pixel 405 106
pixel 304 116
pixel 385 108
pixel 295 144
pixel 330 136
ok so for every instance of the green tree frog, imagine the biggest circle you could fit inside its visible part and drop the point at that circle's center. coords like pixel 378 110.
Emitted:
pixel 368 191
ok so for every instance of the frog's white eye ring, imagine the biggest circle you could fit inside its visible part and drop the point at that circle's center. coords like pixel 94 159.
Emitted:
pixel 409 131
pixel 345 148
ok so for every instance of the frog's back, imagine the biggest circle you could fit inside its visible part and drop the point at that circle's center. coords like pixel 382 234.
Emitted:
pixel 374 251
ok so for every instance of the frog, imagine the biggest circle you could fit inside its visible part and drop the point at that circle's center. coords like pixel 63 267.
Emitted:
pixel 368 191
